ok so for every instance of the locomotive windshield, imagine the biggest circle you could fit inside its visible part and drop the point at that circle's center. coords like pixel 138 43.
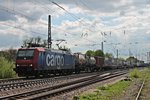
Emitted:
pixel 25 54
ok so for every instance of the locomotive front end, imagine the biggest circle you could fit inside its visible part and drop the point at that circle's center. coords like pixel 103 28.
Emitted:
pixel 25 62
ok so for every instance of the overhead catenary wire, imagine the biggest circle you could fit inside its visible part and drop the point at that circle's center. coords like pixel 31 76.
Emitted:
pixel 77 18
pixel 18 27
pixel 84 4
pixel 47 8
pixel 74 16
pixel 16 12
pixel 42 5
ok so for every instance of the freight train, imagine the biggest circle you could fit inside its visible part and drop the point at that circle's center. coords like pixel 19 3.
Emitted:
pixel 36 61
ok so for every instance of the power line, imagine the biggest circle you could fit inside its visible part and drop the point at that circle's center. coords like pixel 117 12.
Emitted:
pixel 14 12
pixel 18 13
pixel 44 6
pixel 70 14
pixel 85 5
pixel 17 27
pixel 74 16
pixel 23 15
pixel 53 10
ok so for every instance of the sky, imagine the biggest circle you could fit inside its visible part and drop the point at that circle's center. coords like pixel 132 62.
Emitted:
pixel 83 24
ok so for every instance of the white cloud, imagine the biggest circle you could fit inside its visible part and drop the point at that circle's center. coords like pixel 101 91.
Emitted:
pixel 89 18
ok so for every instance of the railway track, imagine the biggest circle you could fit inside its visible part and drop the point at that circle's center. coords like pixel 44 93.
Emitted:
pixel 140 89
pixel 50 91
pixel 22 82
pixel 19 86
pixel 10 84
pixel 11 80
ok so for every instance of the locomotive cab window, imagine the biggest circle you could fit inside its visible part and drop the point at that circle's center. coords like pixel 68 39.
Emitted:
pixel 25 54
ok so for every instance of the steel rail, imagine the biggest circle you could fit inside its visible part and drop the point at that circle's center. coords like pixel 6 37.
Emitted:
pixel 140 90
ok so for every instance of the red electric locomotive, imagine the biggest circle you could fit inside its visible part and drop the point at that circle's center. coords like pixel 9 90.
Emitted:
pixel 26 61
pixel 35 61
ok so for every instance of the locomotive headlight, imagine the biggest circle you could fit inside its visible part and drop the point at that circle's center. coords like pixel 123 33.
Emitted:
pixel 30 65
pixel 17 65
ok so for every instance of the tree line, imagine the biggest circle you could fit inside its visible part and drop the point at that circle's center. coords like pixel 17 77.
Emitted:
pixel 99 53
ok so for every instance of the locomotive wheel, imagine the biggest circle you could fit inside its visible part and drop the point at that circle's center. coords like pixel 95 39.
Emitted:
pixel 88 70
pixel 27 77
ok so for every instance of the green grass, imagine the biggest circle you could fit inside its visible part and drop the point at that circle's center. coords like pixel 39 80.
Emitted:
pixel 106 92
pixel 6 68
pixel 115 90
pixel 135 73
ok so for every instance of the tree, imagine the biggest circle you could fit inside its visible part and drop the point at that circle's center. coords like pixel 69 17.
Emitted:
pixel 121 58
pixel 9 54
pixel 99 53
pixel 89 53
pixel 34 40
pixel 109 55
pixel 37 40
pixel 45 43
pixel 131 59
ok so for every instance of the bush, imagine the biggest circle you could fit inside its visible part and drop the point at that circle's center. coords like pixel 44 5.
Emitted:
pixel 135 73
pixel 6 68
pixel 103 88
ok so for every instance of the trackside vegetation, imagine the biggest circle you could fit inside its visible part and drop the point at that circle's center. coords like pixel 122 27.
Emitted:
pixel 113 91
pixel 108 92
pixel 146 90
pixel 7 59
pixel 135 73
pixel 6 68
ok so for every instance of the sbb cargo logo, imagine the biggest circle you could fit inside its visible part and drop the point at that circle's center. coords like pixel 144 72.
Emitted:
pixel 54 60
